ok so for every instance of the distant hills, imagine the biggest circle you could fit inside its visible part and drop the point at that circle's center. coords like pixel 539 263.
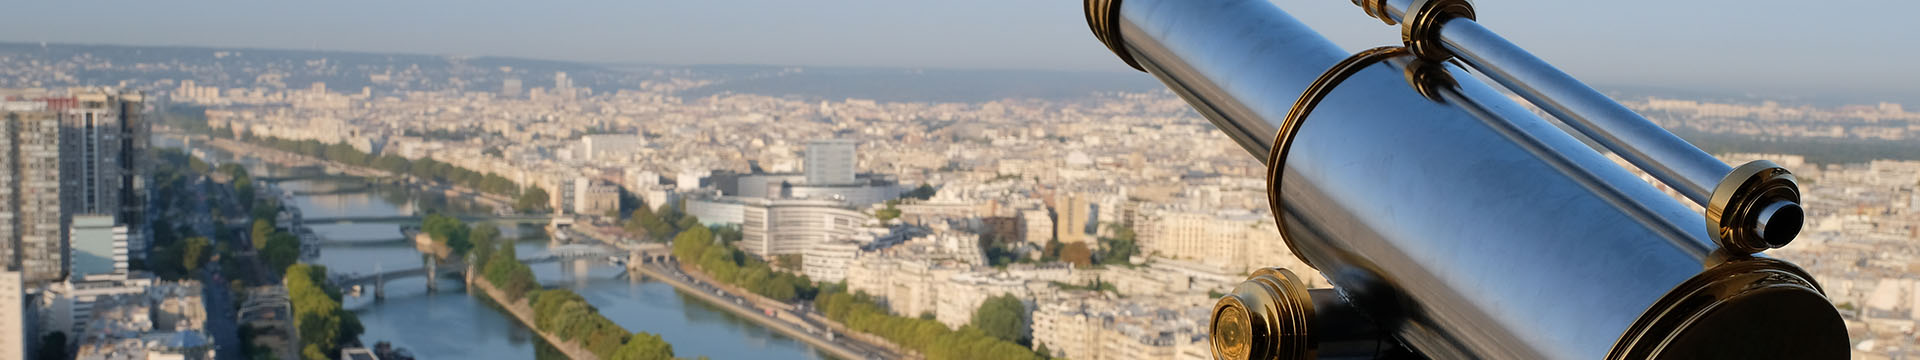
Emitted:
pixel 930 85
pixel 240 67
pixel 346 70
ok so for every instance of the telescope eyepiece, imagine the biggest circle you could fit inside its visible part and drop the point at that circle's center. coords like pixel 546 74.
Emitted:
pixel 1778 223
pixel 1265 317
pixel 1755 208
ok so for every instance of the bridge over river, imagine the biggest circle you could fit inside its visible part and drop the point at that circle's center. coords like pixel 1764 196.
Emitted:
pixel 311 176
pixel 432 270
pixel 407 219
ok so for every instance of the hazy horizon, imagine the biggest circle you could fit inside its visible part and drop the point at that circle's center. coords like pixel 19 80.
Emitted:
pixel 1764 48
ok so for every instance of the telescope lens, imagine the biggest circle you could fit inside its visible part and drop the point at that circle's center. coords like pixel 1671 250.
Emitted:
pixel 1779 222
pixel 1231 332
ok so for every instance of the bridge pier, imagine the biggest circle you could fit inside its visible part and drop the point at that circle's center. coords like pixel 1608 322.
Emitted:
pixel 433 274
pixel 379 287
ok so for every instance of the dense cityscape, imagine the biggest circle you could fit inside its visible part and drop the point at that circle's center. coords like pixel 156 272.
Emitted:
pixel 155 198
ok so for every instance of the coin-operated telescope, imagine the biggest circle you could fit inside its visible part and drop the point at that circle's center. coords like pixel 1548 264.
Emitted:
pixel 1454 223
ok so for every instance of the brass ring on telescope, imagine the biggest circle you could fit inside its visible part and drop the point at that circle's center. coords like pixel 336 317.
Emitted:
pixel 1276 160
pixel 1103 16
pixel 1378 10
pixel 1420 27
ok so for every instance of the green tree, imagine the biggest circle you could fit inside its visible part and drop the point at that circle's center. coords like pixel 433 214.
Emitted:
pixel 282 250
pixel 727 234
pixel 635 220
pixel 267 208
pixel 317 314
pixel 790 262
pixel 644 346
pixel 1121 248
pixel 508 274
pixel 485 239
pixel 1003 317
pixel 448 231
pixel 651 224
pixel 392 163
pixel 924 192
pixel 929 337
pixel 687 222
pixel 887 213
pixel 671 213
pixel 532 200
pixel 193 253
pixel 261 230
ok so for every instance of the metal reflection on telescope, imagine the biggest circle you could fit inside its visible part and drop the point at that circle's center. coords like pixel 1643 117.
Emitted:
pixel 1454 223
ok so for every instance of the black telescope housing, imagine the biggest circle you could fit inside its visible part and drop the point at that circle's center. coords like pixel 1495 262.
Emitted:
pixel 1455 223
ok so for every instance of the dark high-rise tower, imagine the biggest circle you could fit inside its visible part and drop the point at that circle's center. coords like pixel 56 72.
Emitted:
pixel 78 152
pixel 30 202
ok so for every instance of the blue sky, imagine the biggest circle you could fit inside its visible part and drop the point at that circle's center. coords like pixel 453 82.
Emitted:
pixel 1861 47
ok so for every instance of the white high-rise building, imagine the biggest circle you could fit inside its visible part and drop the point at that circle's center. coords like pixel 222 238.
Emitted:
pixel 830 162
pixel 560 81
pixel 13 311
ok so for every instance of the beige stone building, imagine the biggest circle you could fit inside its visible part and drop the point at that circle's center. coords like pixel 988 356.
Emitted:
pixel 1235 242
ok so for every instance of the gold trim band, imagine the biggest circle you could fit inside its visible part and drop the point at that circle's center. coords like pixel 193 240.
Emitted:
pixel 1276 160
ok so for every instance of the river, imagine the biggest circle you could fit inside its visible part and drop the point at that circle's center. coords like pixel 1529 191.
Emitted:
pixel 452 324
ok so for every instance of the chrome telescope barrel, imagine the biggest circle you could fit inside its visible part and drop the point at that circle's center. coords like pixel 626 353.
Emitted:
pixel 1739 208
pixel 1448 216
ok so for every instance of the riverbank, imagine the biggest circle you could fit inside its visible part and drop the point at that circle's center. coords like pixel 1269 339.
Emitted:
pixel 418 320
pixel 864 346
pixel 285 158
pixel 523 313
pixel 887 348
pixel 783 327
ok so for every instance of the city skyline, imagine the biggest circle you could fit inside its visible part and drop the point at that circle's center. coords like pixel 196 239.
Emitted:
pixel 1643 43
pixel 952 180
